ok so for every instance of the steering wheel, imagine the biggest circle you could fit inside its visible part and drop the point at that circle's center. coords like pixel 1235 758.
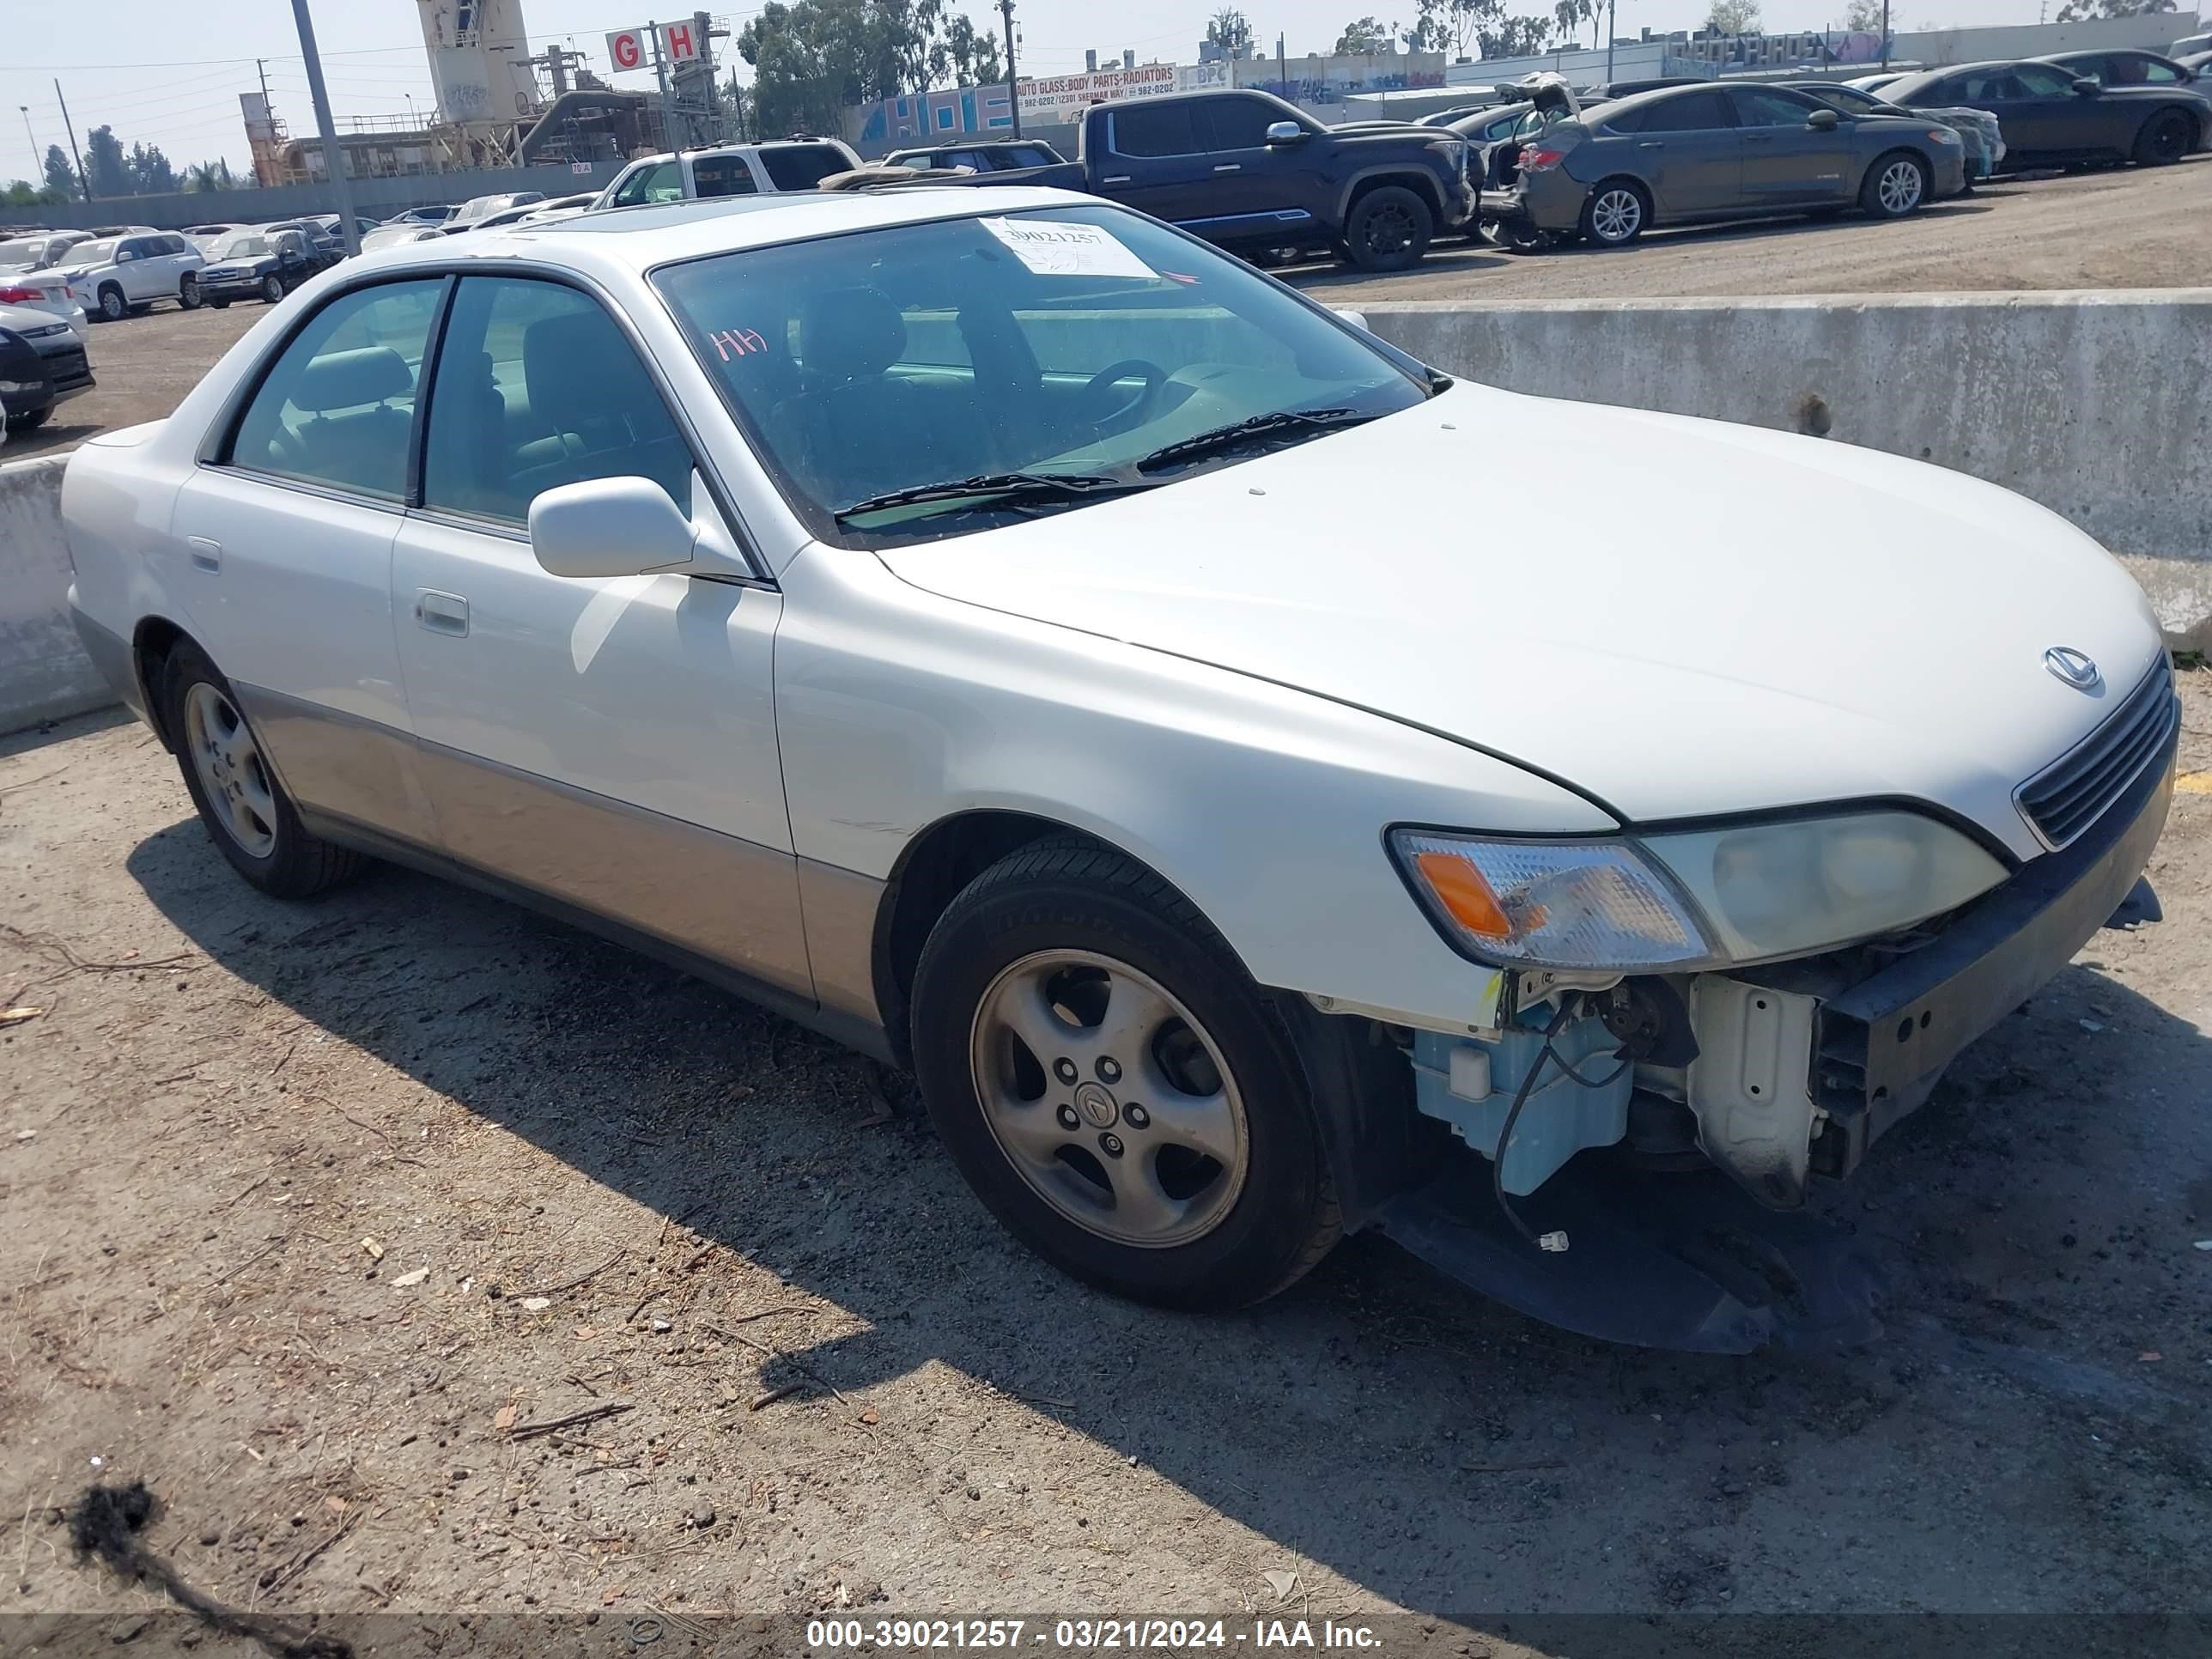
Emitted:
pixel 1093 405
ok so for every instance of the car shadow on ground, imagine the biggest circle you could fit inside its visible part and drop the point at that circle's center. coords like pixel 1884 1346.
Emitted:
pixel 1420 1442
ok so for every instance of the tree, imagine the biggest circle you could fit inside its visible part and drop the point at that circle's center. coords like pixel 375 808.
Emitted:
pixel 150 172
pixel 1864 16
pixel 1514 37
pixel 209 175
pixel 967 56
pixel 61 177
pixel 1572 15
pixel 814 58
pixel 1363 37
pixel 1733 17
pixel 2082 11
pixel 107 170
pixel 1231 30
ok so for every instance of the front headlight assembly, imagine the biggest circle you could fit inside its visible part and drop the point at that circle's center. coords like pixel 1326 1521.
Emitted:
pixel 1699 899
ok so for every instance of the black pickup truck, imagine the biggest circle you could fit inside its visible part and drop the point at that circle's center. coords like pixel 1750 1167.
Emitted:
pixel 1250 171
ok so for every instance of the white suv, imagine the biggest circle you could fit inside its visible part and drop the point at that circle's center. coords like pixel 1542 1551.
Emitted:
pixel 118 275
pixel 785 164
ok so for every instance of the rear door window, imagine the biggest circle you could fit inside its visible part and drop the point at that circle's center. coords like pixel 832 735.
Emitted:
pixel 722 175
pixel 1153 129
pixel 337 407
pixel 1695 112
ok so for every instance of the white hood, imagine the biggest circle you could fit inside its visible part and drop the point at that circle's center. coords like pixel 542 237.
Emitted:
pixel 1677 616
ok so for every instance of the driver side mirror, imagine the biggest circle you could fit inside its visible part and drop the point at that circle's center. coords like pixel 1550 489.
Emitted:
pixel 2087 87
pixel 609 527
pixel 1823 121
pixel 1286 132
pixel 124 257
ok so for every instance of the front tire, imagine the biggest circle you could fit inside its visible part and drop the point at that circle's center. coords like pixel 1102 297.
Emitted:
pixel 1896 185
pixel 30 422
pixel 1616 213
pixel 2165 139
pixel 220 305
pixel 1389 229
pixel 113 307
pixel 273 289
pixel 1112 1086
pixel 188 292
pixel 248 815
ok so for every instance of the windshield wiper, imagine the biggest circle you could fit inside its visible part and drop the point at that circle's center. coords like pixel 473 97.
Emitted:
pixel 1243 432
pixel 1012 489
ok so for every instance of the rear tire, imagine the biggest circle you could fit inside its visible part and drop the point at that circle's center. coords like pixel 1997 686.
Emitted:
pixel 1389 229
pixel 1615 213
pixel 1896 185
pixel 248 815
pixel 220 305
pixel 1086 1044
pixel 2165 139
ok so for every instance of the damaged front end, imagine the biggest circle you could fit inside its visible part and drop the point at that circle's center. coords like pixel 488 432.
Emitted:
pixel 1640 1144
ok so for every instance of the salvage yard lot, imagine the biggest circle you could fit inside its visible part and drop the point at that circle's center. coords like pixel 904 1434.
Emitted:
pixel 304 1210
pixel 2125 228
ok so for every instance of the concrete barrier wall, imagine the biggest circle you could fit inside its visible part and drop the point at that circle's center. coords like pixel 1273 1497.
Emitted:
pixel 44 672
pixel 2092 404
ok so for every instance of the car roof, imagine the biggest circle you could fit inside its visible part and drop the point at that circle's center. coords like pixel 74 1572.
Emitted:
pixel 638 237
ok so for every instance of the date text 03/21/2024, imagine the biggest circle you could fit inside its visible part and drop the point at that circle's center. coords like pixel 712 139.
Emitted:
pixel 1085 1635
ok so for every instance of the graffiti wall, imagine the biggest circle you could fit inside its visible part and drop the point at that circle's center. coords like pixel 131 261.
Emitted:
pixel 1055 99
pixel 1321 79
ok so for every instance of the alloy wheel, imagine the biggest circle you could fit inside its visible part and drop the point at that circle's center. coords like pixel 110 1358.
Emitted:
pixel 112 305
pixel 1616 215
pixel 1389 230
pixel 1109 1099
pixel 1900 187
pixel 232 776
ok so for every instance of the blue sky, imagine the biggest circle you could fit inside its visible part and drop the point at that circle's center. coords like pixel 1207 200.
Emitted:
pixel 169 72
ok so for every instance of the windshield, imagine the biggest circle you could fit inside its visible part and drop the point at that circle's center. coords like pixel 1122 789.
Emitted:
pixel 22 252
pixel 243 245
pixel 93 253
pixel 1063 341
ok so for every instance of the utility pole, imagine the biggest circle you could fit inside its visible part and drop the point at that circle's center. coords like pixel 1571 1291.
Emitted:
pixel 660 74
pixel 1612 18
pixel 333 158
pixel 1282 66
pixel 83 179
pixel 1013 86
pixel 37 159
pixel 1884 33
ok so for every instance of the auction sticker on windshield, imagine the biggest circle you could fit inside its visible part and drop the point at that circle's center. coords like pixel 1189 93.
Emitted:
pixel 1054 247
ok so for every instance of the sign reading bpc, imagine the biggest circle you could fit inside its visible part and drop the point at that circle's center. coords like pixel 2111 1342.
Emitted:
pixel 627 49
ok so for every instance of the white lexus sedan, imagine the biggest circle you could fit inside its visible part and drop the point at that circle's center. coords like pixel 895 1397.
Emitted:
pixel 997 630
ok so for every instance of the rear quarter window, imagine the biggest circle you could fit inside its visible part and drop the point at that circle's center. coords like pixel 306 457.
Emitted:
pixel 802 167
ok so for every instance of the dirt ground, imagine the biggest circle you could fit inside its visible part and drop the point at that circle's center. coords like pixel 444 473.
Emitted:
pixel 2127 229
pixel 310 1214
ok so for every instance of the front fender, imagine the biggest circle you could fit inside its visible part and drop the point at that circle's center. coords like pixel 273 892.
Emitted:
pixel 1264 804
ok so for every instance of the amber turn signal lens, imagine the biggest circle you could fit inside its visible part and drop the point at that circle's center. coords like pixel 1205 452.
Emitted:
pixel 1464 894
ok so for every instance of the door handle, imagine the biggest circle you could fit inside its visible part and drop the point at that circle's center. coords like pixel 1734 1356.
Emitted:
pixel 442 613
pixel 1230 166
pixel 1651 144
pixel 1116 179
pixel 207 555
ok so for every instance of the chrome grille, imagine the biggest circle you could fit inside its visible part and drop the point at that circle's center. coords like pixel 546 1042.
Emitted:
pixel 2067 797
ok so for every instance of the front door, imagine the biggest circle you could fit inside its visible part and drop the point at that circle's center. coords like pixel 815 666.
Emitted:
pixel 1786 162
pixel 608 742
pixel 1249 191
pixel 1691 155
pixel 283 549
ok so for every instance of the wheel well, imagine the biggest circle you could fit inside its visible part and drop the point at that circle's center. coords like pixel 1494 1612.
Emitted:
pixel 150 645
pixel 938 862
pixel 1419 183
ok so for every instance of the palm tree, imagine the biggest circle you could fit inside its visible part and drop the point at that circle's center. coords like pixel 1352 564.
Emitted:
pixel 208 175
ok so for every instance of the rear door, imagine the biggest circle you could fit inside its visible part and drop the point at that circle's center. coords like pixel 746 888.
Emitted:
pixel 1691 153
pixel 1154 161
pixel 284 543
pixel 1785 162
